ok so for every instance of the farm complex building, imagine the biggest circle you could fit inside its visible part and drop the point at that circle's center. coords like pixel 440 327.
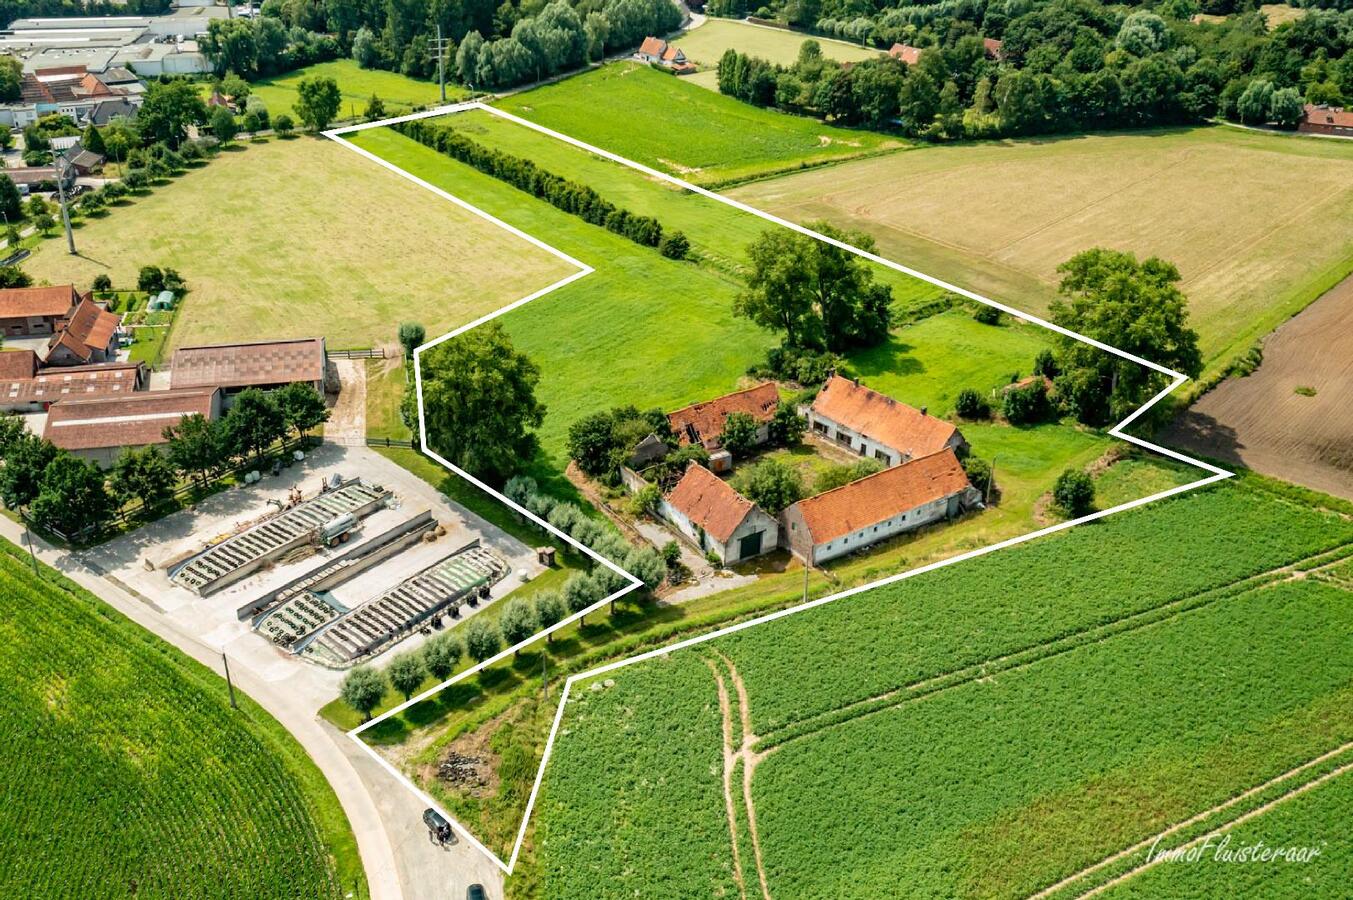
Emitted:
pixel 261 364
pixel 24 387
pixel 90 334
pixel 717 518
pixel 702 423
pixel 99 429
pixel 657 51
pixel 1330 120
pixel 877 507
pixel 872 424
pixel 36 310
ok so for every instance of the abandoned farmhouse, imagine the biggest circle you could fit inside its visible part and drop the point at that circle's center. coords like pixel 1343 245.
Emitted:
pixel 923 480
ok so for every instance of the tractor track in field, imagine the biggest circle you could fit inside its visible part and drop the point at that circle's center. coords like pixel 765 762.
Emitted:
pixel 746 754
pixel 1045 650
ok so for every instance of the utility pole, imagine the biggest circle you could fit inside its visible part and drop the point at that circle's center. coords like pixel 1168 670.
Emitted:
pixel 230 684
pixel 28 539
pixel 439 48
pixel 806 569
pixel 57 161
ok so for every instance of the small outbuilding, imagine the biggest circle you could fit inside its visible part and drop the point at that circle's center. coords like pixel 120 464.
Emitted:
pixel 717 519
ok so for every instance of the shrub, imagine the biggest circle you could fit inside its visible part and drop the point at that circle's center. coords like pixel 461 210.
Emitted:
pixel 283 125
pixel 518 622
pixel 442 654
pixel 645 502
pixel 972 405
pixel 406 673
pixel 549 610
pixel 411 335
pixel 671 554
pixel 1045 364
pixel 834 476
pixel 1074 492
pixel 1026 405
pixel 481 639
pixel 739 434
pixel 770 485
pixel 978 472
pixel 674 245
pixel 796 364
pixel 786 427
pixel 987 315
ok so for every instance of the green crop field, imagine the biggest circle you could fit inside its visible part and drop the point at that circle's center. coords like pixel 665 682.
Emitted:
pixel 704 46
pixel 127 773
pixel 683 129
pixel 399 92
pixel 986 711
pixel 1259 225
pixel 303 237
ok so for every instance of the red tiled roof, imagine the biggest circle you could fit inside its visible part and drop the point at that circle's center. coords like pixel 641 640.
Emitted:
pixel 905 52
pixel 993 47
pixel 881 418
pixel 136 420
pixel 652 46
pixel 71 382
pixel 90 328
pixel 242 365
pixel 706 419
pixel 16 365
pixel 1329 115
pixel 54 301
pixel 709 502
pixel 881 496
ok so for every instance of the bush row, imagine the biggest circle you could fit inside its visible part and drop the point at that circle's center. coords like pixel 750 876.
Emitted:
pixel 570 196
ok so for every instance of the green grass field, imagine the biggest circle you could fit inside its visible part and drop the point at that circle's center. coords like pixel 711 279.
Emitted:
pixel 1259 225
pixel 303 237
pixel 704 46
pixel 127 773
pixel 1018 717
pixel 356 84
pixel 661 121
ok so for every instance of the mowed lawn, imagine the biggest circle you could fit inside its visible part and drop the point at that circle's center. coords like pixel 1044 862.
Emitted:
pixel 399 92
pixel 304 237
pixel 1259 225
pixel 664 122
pixel 704 46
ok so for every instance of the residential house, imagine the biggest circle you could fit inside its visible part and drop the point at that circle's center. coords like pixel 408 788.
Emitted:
pixel 993 49
pixel 70 90
pixel 36 310
pixel 24 387
pixel 905 53
pixel 1329 120
pixel 877 507
pixel 717 519
pixel 702 423
pixel 36 179
pixel 659 52
pixel 872 424
pixel 89 334
pixel 260 364
pixel 99 429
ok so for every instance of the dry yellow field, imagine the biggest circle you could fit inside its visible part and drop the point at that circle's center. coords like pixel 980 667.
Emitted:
pixel 303 237
pixel 1258 225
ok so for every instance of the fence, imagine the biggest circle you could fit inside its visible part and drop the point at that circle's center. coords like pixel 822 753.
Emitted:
pixel 369 353
pixel 388 442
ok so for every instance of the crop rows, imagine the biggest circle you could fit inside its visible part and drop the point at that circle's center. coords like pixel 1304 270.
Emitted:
pixel 1003 786
pixel 123 776
pixel 633 806
pixel 995 605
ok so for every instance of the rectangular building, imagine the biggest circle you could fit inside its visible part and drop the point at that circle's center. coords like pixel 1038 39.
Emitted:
pixel 877 507
pixel 702 423
pixel 36 310
pixel 717 518
pixel 90 334
pixel 262 364
pixel 100 429
pixel 871 424
pixel 26 388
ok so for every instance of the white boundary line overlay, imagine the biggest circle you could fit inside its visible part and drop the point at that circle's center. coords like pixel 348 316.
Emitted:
pixel 1215 473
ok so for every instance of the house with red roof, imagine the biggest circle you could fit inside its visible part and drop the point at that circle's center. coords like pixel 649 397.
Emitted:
pixel 88 335
pixel 708 512
pixel 659 52
pixel 702 423
pixel 35 310
pixel 905 53
pixel 1328 120
pixel 875 425
pixel 877 507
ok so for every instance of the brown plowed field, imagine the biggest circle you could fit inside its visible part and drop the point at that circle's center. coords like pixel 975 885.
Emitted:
pixel 1261 422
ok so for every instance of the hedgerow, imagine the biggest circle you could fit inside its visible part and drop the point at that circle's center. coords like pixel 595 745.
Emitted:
pixel 572 197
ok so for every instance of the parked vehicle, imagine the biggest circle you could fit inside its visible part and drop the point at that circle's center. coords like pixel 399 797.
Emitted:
pixel 475 892
pixel 439 828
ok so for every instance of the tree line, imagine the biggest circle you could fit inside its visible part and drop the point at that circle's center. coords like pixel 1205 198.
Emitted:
pixel 572 197
pixel 65 493
pixel 1064 65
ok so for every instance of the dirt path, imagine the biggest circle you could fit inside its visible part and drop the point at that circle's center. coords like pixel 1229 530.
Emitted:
pixel 1262 422
pixel 1205 814
pixel 730 759
pixel 347 416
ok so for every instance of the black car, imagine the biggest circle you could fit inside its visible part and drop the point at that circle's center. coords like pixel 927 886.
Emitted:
pixel 475 892
pixel 437 825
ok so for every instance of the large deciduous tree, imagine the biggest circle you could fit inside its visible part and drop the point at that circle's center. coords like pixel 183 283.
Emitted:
pixel 1110 296
pixel 317 101
pixel 167 111
pixel 72 496
pixel 479 402
pixel 253 423
pixel 196 446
